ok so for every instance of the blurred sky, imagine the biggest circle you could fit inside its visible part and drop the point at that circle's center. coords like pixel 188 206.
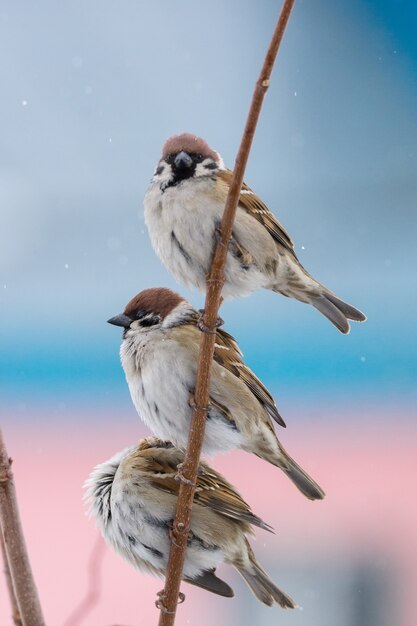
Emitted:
pixel 90 92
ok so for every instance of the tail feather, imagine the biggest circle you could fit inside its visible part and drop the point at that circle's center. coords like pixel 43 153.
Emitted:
pixel 210 582
pixel 337 311
pixel 261 584
pixel 304 483
pixel 348 310
pixel 302 480
pixel 330 310
pixel 297 475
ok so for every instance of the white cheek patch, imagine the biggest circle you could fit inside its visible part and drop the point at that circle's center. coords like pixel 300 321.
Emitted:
pixel 201 170
pixel 135 325
pixel 205 169
pixel 163 173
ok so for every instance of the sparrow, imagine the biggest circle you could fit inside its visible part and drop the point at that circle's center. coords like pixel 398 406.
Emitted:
pixel 183 209
pixel 133 498
pixel 159 355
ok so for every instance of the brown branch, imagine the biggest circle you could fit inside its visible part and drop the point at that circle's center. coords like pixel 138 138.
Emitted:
pixel 168 598
pixel 17 620
pixel 94 587
pixel 17 557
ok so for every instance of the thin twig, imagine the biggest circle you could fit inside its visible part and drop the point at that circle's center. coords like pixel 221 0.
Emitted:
pixel 17 557
pixel 93 593
pixel 168 598
pixel 17 620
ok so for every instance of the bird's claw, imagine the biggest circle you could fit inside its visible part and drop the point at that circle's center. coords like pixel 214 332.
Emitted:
pixel 193 404
pixel 218 235
pixel 204 328
pixel 171 534
pixel 159 603
pixel 179 477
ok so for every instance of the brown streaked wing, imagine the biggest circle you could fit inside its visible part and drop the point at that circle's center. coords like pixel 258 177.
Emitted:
pixel 255 207
pixel 213 491
pixel 228 355
pixel 217 493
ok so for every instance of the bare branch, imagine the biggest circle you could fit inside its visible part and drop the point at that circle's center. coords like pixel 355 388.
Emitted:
pixel 17 557
pixel 93 593
pixel 17 620
pixel 169 597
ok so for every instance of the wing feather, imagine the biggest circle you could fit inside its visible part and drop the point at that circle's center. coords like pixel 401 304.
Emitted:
pixel 212 491
pixel 228 355
pixel 256 208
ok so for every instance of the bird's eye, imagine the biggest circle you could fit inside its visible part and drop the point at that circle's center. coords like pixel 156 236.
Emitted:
pixel 170 158
pixel 198 158
pixel 151 319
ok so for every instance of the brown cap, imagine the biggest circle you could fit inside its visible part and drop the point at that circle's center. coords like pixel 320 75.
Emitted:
pixel 188 143
pixel 157 300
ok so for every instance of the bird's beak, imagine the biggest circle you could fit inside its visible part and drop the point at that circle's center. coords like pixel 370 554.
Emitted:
pixel 183 161
pixel 120 320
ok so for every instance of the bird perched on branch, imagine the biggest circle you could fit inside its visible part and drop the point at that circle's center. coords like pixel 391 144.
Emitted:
pixel 133 497
pixel 159 354
pixel 183 209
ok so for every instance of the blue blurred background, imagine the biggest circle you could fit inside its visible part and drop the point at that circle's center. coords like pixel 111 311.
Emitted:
pixel 90 92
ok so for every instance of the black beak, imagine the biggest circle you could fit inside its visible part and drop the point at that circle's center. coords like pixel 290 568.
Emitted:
pixel 120 320
pixel 183 161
